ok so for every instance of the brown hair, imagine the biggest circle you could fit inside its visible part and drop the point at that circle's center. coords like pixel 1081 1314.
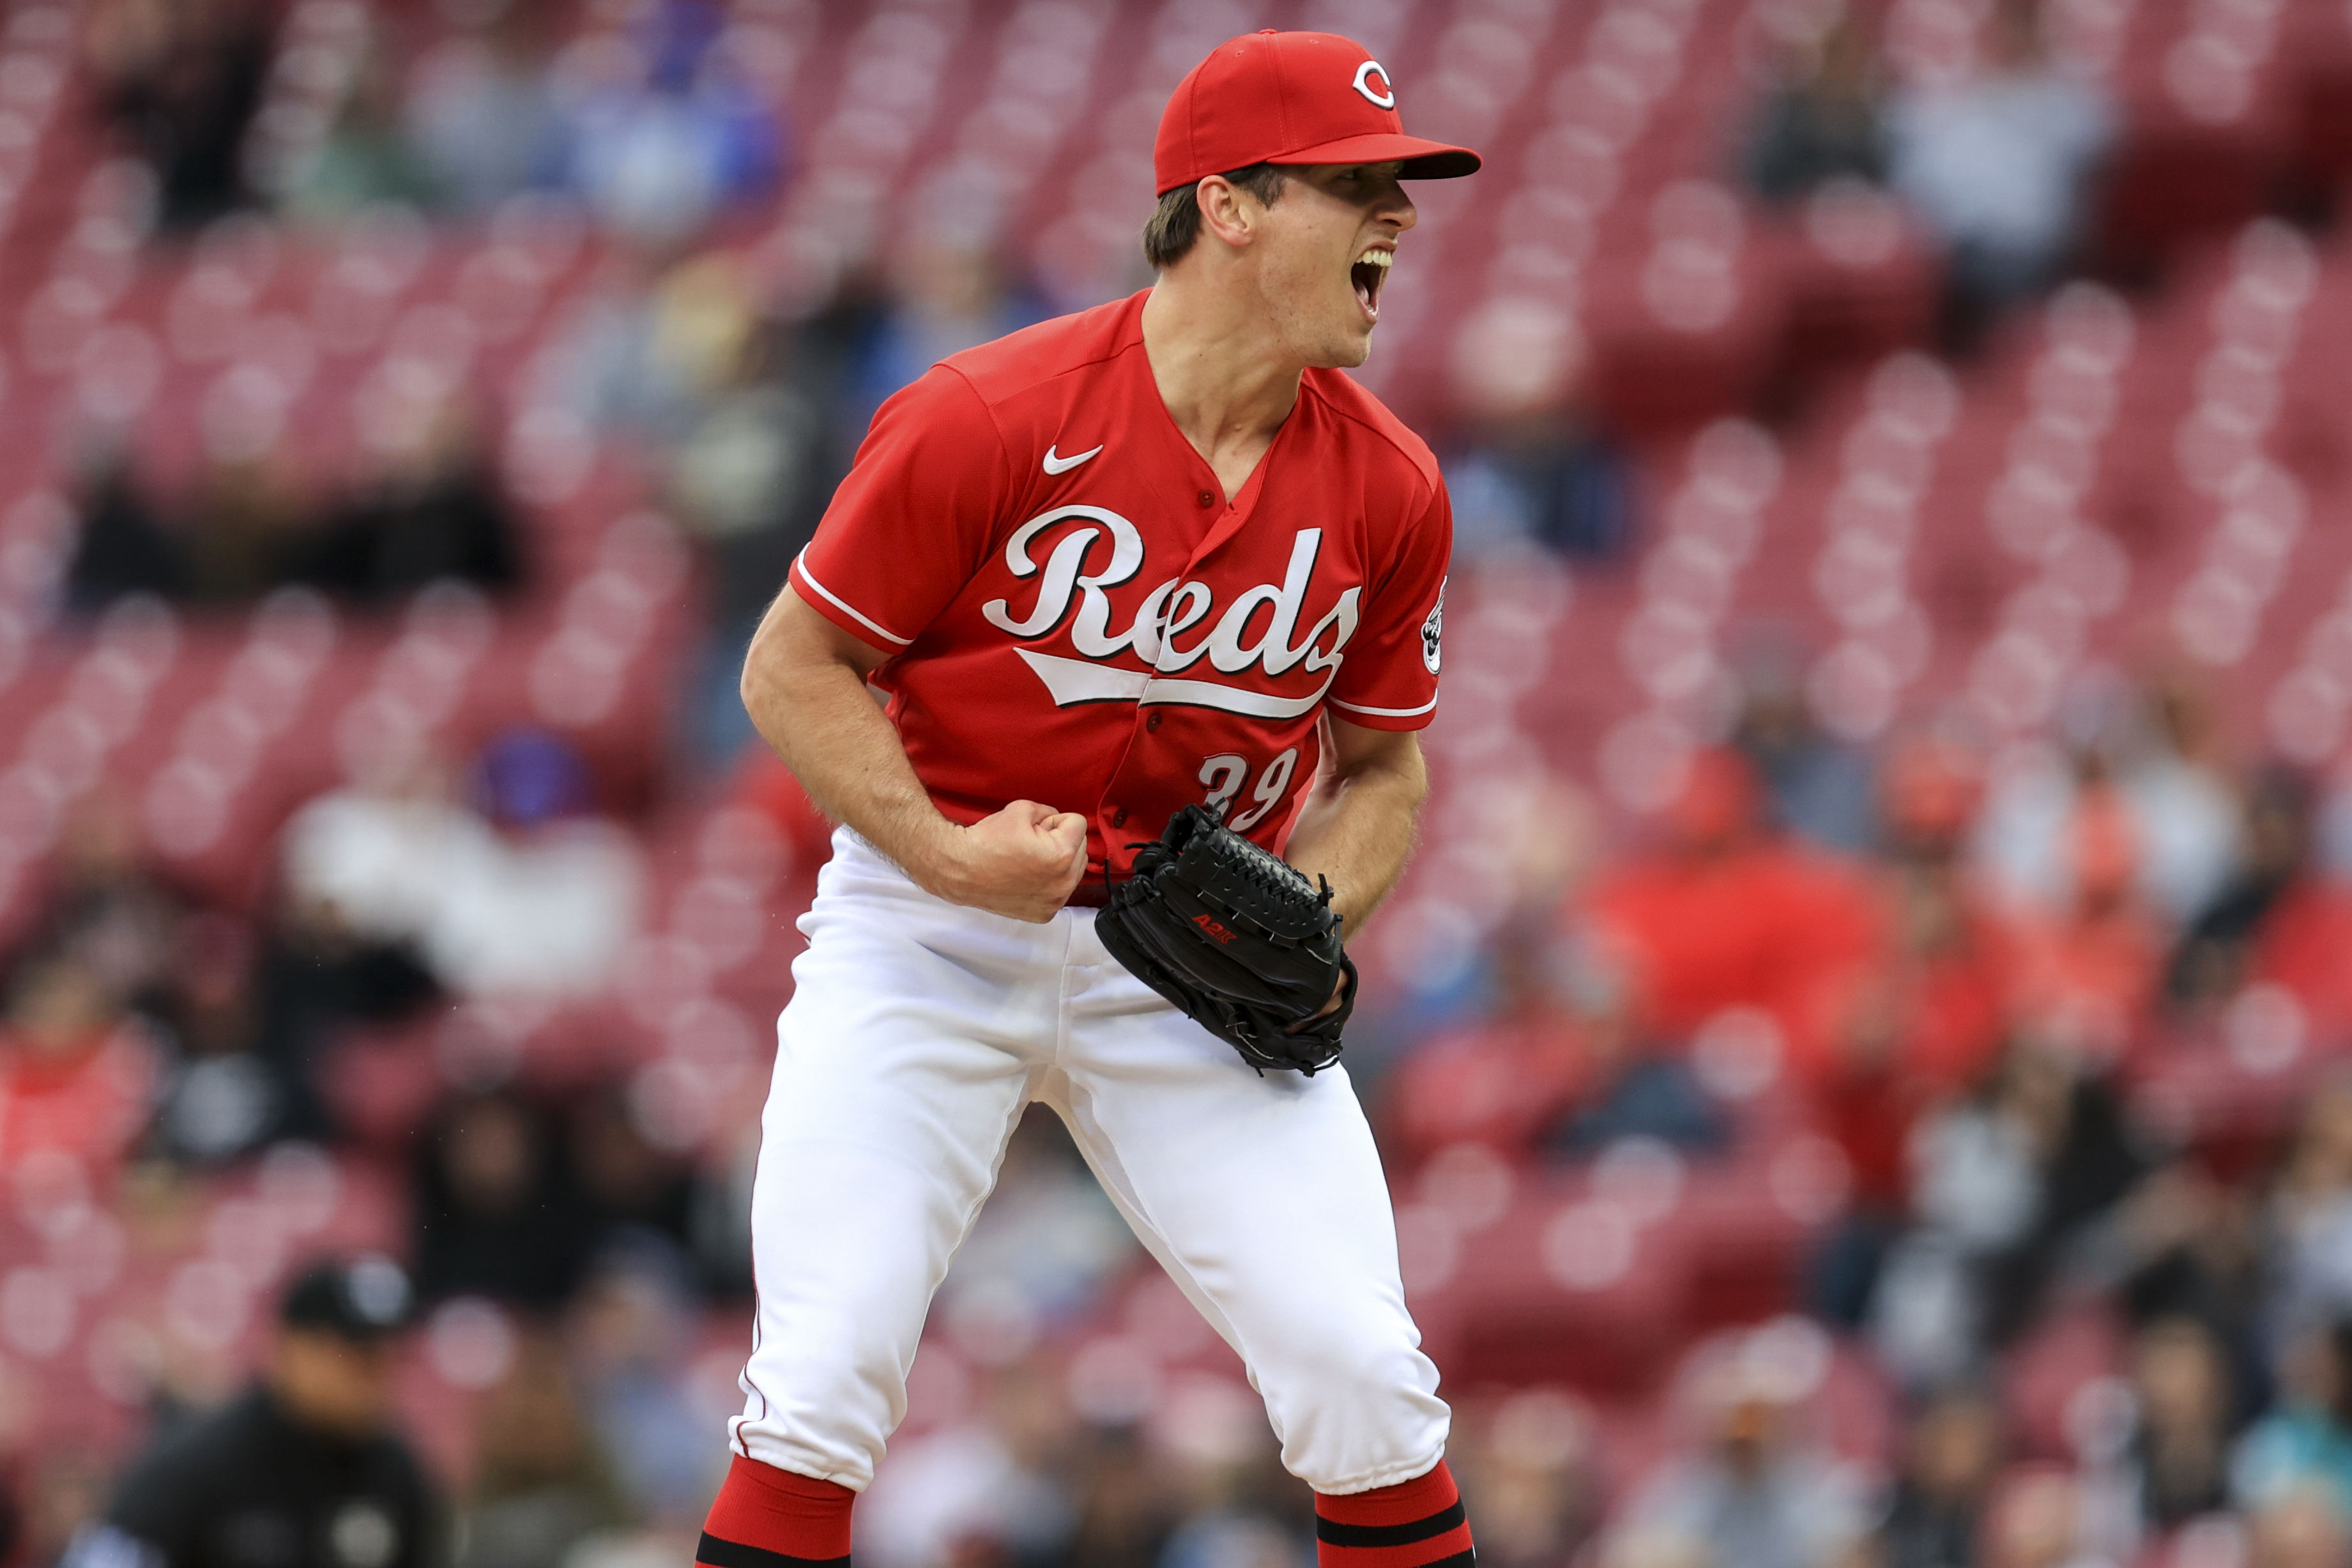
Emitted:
pixel 1169 237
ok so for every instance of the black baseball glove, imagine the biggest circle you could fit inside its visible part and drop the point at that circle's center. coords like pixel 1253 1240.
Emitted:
pixel 1237 939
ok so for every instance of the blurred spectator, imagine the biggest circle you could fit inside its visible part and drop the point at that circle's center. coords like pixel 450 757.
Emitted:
pixel 1121 1511
pixel 1532 1485
pixel 106 907
pixel 75 1078
pixel 541 1484
pixel 1951 1452
pixel 2178 1460
pixel 2090 976
pixel 251 1019
pixel 1722 914
pixel 669 135
pixel 990 1490
pixel 1532 467
pixel 950 294
pixel 122 545
pixel 2304 1528
pixel 483 116
pixel 528 895
pixel 1756 1494
pixel 246 533
pixel 430 509
pixel 1943 967
pixel 305 1470
pixel 630 1334
pixel 2005 1184
pixel 1824 122
pixel 181 81
pixel 367 157
pixel 2310 1217
pixel 496 1212
pixel 2036 1520
pixel 752 474
pixel 1501 1079
pixel 1998 164
pixel 1821 789
pixel 655 343
pixel 2281 922
pixel 2307 1440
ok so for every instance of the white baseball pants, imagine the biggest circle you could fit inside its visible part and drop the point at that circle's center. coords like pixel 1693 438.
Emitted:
pixel 917 1034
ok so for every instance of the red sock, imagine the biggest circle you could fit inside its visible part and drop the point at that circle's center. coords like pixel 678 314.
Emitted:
pixel 1417 1523
pixel 768 1518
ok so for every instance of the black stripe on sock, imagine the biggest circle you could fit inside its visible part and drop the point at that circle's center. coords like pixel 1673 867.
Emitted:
pixel 721 1553
pixel 1333 1532
pixel 1459 1559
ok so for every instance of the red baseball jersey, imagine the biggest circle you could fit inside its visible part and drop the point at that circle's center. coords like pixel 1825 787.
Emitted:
pixel 1076 615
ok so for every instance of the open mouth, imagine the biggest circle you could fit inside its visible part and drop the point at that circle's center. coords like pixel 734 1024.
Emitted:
pixel 1368 272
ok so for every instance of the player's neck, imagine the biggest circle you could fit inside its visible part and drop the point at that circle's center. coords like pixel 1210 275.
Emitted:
pixel 1222 373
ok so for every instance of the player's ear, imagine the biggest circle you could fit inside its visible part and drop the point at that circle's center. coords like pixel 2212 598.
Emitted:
pixel 1227 211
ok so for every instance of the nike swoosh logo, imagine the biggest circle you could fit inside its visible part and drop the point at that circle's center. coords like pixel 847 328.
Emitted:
pixel 1064 465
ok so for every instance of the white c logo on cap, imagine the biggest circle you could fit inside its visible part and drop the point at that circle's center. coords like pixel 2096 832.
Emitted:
pixel 1386 97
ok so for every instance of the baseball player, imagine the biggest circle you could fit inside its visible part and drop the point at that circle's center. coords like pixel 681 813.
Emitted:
pixel 1154 555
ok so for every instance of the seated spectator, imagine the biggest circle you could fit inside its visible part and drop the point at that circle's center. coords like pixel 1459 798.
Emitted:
pixel 246 533
pixel 122 545
pixel 530 894
pixel 1821 789
pixel 2307 1440
pixel 660 151
pixel 496 1212
pixel 2281 922
pixel 540 1484
pixel 1825 119
pixel 1534 1484
pixel 2310 1216
pixel 1998 164
pixel 106 906
pixel 2089 976
pixel 2036 1520
pixel 1502 1078
pixel 181 81
pixel 2180 1454
pixel 1756 1494
pixel 1723 914
pixel 367 157
pixel 2005 1184
pixel 1951 1452
pixel 431 509
pixel 2304 1528
pixel 74 1079
pixel 1530 466
pixel 629 1331
pixel 483 116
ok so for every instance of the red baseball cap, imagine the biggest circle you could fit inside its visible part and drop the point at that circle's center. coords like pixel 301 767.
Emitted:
pixel 1291 97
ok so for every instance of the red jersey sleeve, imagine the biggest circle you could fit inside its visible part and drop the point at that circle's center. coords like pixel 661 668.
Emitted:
pixel 913 521
pixel 1389 680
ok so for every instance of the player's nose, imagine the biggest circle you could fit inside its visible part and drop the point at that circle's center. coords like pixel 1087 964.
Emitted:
pixel 1394 208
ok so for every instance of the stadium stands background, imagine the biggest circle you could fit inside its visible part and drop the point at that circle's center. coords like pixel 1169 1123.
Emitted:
pixel 1859 1050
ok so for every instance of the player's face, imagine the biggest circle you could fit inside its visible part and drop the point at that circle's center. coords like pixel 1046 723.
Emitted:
pixel 1328 242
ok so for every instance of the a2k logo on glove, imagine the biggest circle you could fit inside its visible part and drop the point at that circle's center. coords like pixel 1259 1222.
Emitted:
pixel 1172 609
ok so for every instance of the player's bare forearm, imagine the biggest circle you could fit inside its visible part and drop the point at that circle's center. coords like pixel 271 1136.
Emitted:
pixel 805 688
pixel 1357 826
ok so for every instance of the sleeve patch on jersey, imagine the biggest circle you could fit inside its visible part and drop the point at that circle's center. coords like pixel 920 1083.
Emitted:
pixel 1433 629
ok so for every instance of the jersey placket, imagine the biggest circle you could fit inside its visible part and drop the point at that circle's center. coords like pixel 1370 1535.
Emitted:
pixel 1109 814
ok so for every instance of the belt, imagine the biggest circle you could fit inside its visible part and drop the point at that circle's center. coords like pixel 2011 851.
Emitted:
pixel 1091 894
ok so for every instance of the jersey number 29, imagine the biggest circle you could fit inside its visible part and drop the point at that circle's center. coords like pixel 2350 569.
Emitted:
pixel 1223 775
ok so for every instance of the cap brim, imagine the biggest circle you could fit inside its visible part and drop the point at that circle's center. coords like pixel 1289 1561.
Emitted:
pixel 1421 160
